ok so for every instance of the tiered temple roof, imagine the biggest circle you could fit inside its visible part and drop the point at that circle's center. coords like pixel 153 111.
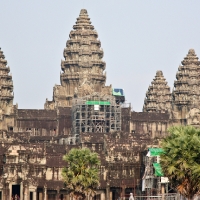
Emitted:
pixel 158 96
pixel 6 85
pixel 186 86
pixel 83 67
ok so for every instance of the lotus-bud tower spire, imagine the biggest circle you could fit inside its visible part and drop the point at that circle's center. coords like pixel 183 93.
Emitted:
pixel 83 67
pixel 186 94
pixel 6 86
pixel 158 96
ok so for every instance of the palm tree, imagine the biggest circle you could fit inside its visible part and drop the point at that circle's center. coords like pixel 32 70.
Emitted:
pixel 81 175
pixel 180 161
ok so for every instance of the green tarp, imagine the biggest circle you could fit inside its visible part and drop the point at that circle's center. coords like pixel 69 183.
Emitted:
pixel 158 170
pixel 155 151
pixel 97 103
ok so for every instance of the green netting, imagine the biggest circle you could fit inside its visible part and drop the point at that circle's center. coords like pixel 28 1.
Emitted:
pixel 158 169
pixel 97 103
pixel 155 151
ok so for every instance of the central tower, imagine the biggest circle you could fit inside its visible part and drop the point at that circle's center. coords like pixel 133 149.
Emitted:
pixel 83 67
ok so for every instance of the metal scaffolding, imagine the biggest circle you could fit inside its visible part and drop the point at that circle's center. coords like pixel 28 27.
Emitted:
pixel 152 183
pixel 96 113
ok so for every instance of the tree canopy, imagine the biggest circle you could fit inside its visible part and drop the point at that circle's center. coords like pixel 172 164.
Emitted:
pixel 81 175
pixel 181 159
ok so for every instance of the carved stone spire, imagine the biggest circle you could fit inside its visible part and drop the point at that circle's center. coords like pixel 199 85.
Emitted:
pixel 186 92
pixel 6 86
pixel 83 21
pixel 83 67
pixel 158 96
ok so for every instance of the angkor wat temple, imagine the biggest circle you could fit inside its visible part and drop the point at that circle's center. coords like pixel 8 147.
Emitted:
pixel 86 113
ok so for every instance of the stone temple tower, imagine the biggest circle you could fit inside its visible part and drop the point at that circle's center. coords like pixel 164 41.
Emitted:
pixel 158 96
pixel 186 93
pixel 83 67
pixel 6 86
pixel 6 96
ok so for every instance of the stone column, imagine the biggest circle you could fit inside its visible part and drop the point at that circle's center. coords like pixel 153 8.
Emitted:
pixel 68 197
pixel 7 192
pixel 21 190
pixel 40 195
pixel 103 196
pixel 163 191
pixel 111 195
pixel 108 192
pixel 45 193
pixel 123 192
pixel 4 193
pixel 10 191
pixel 26 192
pixel 58 194
pixel 89 197
pixel 35 194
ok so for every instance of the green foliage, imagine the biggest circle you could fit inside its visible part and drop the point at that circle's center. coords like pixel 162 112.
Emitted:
pixel 81 176
pixel 181 159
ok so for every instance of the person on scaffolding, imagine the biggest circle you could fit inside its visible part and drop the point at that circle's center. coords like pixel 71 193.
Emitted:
pixel 131 196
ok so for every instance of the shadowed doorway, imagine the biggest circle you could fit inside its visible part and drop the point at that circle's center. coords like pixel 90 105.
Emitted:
pixel 16 190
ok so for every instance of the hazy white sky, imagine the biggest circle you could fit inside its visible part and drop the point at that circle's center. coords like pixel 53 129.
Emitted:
pixel 138 38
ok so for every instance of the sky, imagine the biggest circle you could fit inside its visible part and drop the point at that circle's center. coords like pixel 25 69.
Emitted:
pixel 138 37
